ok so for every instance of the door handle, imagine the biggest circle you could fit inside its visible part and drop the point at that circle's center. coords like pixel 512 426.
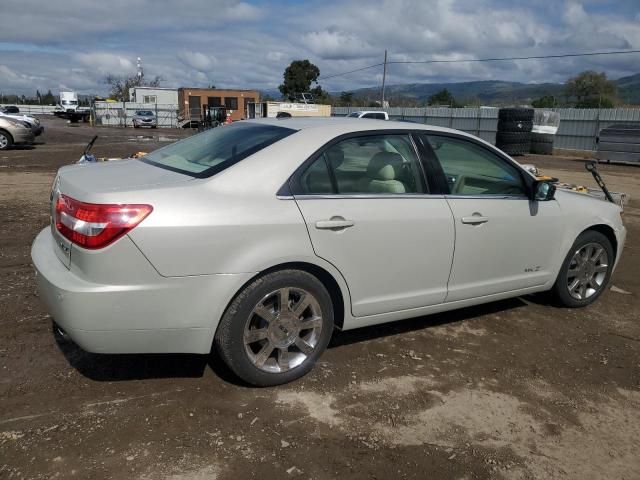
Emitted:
pixel 334 223
pixel 475 219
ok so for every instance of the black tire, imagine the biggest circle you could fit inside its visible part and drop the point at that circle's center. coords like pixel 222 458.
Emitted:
pixel 542 148
pixel 515 149
pixel 512 137
pixel 6 140
pixel 515 125
pixel 515 114
pixel 560 289
pixel 229 340
pixel 542 137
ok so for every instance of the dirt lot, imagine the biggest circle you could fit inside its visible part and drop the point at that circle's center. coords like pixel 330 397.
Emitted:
pixel 516 389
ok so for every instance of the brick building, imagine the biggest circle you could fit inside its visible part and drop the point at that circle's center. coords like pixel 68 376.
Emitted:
pixel 192 100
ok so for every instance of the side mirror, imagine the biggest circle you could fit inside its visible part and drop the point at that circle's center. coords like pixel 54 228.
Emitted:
pixel 543 191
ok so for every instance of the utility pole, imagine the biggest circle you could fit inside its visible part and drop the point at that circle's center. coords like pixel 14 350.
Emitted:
pixel 384 77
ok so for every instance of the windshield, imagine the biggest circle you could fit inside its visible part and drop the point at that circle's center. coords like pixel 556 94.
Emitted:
pixel 210 152
pixel 144 113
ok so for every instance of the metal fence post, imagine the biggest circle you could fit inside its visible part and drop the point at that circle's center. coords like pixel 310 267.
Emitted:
pixel 597 132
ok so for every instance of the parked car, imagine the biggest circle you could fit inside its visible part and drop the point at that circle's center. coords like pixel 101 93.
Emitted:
pixel 14 132
pixel 375 115
pixel 10 109
pixel 262 237
pixel 144 118
pixel 33 122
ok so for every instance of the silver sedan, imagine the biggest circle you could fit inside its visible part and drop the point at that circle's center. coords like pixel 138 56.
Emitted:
pixel 260 238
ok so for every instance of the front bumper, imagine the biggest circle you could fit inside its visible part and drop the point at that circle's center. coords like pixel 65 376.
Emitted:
pixel 142 123
pixel 23 136
pixel 159 315
pixel 37 130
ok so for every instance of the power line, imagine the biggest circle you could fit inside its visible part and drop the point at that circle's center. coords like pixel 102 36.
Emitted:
pixel 497 59
pixel 351 71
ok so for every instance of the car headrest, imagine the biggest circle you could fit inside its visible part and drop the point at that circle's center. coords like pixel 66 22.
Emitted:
pixel 385 166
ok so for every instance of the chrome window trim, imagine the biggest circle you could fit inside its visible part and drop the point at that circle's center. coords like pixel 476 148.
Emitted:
pixel 338 196
pixel 359 196
pixel 488 197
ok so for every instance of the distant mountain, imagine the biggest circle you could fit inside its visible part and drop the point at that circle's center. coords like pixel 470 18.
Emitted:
pixel 487 92
pixel 496 92
pixel 629 89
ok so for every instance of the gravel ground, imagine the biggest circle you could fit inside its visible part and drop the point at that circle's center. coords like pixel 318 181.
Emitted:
pixel 516 389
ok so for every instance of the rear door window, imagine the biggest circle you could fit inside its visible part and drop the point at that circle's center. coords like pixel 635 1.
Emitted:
pixel 376 164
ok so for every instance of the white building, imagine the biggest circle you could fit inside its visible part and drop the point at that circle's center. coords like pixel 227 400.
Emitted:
pixel 154 95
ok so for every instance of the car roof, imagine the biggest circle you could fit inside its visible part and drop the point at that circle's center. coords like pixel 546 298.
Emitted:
pixel 349 124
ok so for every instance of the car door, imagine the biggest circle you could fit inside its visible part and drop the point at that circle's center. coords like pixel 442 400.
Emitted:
pixel 368 212
pixel 504 241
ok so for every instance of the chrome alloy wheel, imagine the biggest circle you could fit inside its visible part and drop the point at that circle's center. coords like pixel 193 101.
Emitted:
pixel 587 271
pixel 4 141
pixel 283 330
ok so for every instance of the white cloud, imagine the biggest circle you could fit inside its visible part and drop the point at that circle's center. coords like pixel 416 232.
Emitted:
pixel 106 63
pixel 335 44
pixel 234 43
pixel 199 61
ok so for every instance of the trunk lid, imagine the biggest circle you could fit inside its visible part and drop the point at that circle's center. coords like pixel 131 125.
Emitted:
pixel 104 182
pixel 88 182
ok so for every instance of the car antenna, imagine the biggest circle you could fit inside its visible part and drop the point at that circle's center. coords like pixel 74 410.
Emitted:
pixel 592 167
pixel 89 146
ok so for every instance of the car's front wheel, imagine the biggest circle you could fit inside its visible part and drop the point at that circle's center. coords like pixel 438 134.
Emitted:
pixel 586 270
pixel 6 140
pixel 276 328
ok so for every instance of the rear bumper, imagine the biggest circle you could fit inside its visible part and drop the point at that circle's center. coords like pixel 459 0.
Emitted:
pixel 162 315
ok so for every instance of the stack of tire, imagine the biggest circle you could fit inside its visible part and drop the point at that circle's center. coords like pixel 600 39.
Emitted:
pixel 514 130
pixel 542 143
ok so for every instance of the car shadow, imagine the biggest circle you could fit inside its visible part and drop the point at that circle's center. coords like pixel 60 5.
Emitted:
pixel 123 367
pixel 341 338
pixel 126 367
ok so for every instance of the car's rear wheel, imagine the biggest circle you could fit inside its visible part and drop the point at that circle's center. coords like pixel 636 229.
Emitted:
pixel 276 328
pixel 586 270
pixel 6 140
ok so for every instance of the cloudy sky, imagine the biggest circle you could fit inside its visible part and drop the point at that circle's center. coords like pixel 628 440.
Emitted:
pixel 232 43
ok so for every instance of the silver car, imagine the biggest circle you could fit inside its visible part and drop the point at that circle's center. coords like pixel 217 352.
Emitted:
pixel 14 132
pixel 144 118
pixel 261 238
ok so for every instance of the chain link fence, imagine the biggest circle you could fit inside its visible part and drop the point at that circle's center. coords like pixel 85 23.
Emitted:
pixel 579 128
pixel 120 114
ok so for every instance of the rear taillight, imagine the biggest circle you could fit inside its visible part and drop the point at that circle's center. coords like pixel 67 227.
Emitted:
pixel 94 226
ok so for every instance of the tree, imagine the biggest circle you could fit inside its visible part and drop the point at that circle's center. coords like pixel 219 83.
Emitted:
pixel 48 98
pixel 346 98
pixel 546 101
pixel 298 77
pixel 591 90
pixel 443 97
pixel 120 86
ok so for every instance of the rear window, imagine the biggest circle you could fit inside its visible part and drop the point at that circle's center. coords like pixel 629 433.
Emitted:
pixel 210 152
